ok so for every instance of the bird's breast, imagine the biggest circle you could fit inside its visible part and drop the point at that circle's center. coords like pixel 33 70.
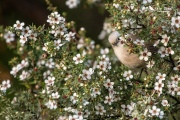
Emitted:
pixel 128 59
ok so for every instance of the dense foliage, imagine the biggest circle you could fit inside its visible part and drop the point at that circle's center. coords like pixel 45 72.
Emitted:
pixel 62 74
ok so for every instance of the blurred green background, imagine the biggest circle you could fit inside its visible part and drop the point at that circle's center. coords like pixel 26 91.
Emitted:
pixel 35 11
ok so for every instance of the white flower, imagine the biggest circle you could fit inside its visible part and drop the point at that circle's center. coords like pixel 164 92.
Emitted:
pixel 145 9
pixel 100 109
pixel 47 73
pixel 107 27
pixel 87 74
pixel 104 64
pixel 161 114
pixel 175 79
pixel 72 3
pixel 26 31
pixel 154 111
pixel 78 59
pixel 79 115
pixel 50 81
pixel 95 92
pixel 85 102
pixel 74 98
pixel 175 21
pixel 14 71
pixel 165 39
pixel 80 43
pixel 50 63
pixel 47 90
pixel 70 36
pixel 116 5
pixel 177 67
pixel 160 77
pixel 150 64
pixel 126 22
pixel 164 103
pixel 158 86
pixel 104 51
pixel 55 18
pixel 59 30
pixel 127 109
pixel 18 25
pixel 23 40
pixel 128 75
pixel 9 37
pixel 57 44
pixel 74 117
pixel 24 63
pixel 108 100
pixel 162 51
pixel 51 104
pixel 169 51
pixel 45 48
pixel 138 42
pixel 24 75
pixel 55 95
pixel 86 114
pixel 33 36
pixel 112 92
pixel 145 54
pixel 172 87
pixel 108 84
pixel 5 85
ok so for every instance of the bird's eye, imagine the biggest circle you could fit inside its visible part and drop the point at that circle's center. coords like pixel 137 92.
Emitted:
pixel 118 39
pixel 116 42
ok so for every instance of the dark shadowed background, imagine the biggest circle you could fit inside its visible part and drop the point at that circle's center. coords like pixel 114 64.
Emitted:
pixel 35 11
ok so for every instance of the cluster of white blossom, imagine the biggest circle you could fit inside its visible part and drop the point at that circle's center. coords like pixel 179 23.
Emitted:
pixel 59 30
pixel 26 33
pixel 159 84
pixel 172 85
pixel 86 74
pixel 51 104
pixel 113 96
pixel 60 78
pixel 128 109
pixel 24 64
pixel 104 64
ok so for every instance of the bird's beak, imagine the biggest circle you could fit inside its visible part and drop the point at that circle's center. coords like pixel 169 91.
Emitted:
pixel 116 42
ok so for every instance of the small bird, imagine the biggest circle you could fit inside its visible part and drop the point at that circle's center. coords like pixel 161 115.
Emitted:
pixel 130 60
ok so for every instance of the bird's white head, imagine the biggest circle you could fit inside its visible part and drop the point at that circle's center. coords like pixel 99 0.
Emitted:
pixel 114 38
